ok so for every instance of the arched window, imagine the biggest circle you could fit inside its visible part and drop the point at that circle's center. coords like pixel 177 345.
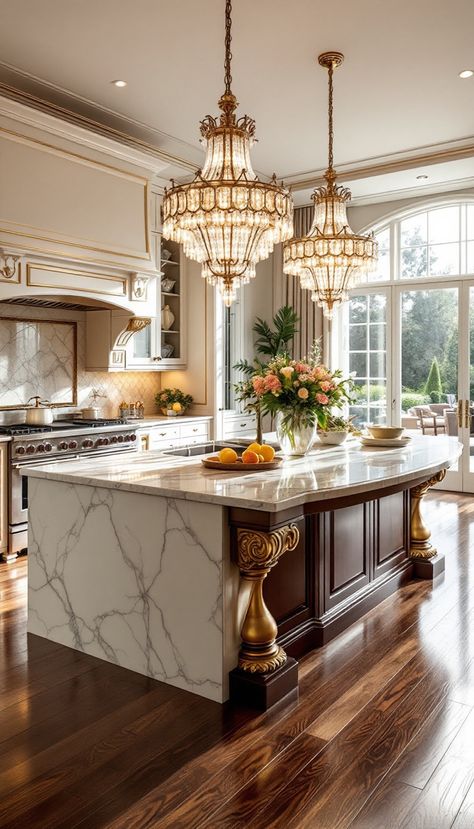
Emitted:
pixel 434 241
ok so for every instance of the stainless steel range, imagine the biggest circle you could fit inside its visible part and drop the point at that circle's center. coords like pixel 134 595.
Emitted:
pixel 62 440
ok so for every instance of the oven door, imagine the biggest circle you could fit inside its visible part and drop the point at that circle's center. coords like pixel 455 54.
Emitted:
pixel 18 506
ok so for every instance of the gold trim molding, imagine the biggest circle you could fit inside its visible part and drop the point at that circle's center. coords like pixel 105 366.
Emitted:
pixel 77 273
pixel 257 552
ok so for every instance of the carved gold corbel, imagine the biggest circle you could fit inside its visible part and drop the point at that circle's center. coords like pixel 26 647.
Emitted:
pixel 9 266
pixel 257 553
pixel 420 544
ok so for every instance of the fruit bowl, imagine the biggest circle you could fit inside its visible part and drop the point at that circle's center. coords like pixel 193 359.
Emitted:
pixel 239 465
pixel 256 458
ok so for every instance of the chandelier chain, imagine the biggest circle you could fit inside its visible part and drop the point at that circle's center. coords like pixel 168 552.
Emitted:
pixel 330 117
pixel 228 41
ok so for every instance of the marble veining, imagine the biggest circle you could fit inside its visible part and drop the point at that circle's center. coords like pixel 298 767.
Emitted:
pixel 328 472
pixel 37 358
pixel 133 580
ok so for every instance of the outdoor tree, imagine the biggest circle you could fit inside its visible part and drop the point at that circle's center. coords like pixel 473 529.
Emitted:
pixel 433 386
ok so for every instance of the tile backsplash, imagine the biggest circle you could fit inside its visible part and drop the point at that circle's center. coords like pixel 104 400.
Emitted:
pixel 129 386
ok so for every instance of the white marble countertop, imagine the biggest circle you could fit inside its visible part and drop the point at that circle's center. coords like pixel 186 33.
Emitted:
pixel 327 472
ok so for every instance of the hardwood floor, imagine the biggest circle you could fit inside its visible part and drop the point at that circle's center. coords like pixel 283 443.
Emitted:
pixel 382 736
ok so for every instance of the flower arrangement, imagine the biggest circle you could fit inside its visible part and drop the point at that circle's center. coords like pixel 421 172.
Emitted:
pixel 173 400
pixel 301 392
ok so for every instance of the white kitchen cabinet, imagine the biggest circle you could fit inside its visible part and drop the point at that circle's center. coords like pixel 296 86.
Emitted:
pixel 154 348
pixel 239 425
pixel 171 435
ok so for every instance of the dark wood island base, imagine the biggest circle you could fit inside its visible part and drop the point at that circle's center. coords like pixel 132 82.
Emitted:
pixel 317 568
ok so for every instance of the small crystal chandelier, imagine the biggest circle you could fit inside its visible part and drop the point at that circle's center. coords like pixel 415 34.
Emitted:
pixel 227 218
pixel 331 257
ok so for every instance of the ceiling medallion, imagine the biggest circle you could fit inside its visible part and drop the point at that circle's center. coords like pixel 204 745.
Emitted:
pixel 331 257
pixel 227 218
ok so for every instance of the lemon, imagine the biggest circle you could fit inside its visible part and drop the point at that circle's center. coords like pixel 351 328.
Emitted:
pixel 268 452
pixel 176 407
pixel 227 455
pixel 254 447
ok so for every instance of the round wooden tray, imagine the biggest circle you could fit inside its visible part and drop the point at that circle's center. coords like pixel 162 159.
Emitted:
pixel 239 466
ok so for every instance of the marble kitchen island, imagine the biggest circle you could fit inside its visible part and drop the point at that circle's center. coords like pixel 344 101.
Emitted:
pixel 157 564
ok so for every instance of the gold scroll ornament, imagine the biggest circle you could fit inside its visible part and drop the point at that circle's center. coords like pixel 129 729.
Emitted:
pixel 420 545
pixel 257 553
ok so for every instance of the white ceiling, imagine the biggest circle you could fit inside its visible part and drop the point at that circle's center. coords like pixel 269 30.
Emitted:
pixel 398 90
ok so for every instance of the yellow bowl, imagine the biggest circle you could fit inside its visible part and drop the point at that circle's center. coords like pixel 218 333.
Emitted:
pixel 385 431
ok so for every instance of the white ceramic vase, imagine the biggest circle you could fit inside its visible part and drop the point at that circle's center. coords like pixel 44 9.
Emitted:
pixel 167 318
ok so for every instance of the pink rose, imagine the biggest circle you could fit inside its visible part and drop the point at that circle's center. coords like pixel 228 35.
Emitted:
pixel 319 372
pixel 302 367
pixel 322 398
pixel 326 385
pixel 303 393
pixel 258 384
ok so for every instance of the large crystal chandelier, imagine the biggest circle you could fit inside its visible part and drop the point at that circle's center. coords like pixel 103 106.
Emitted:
pixel 331 257
pixel 227 218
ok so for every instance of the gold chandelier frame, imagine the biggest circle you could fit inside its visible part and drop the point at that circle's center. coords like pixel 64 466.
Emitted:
pixel 331 257
pixel 227 218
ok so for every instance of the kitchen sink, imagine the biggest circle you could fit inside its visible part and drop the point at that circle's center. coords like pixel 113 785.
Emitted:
pixel 201 449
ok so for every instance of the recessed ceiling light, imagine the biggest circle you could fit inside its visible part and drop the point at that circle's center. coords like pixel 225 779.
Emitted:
pixel 466 73
pixel 119 83
pixel 421 178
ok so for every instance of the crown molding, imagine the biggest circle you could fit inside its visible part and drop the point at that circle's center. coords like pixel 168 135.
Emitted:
pixel 57 114
pixel 424 156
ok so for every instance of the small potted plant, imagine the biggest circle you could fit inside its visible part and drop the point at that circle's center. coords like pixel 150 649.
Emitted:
pixel 336 430
pixel 173 402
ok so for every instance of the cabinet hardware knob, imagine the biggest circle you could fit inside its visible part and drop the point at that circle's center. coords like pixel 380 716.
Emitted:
pixel 156 359
pixel 243 424
pixel 162 434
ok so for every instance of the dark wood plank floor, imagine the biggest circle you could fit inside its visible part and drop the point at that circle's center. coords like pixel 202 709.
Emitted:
pixel 382 736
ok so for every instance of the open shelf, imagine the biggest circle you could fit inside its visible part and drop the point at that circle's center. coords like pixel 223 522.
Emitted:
pixel 169 332
pixel 168 293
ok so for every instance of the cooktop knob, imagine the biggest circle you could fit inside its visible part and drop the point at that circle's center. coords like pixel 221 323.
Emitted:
pixel 48 447
pixel 40 447
pixel 30 449
pixel 20 450
pixel 120 438
pixel 87 443
pixel 72 444
pixel 63 445
pixel 114 439
pixel 105 441
pixel 133 437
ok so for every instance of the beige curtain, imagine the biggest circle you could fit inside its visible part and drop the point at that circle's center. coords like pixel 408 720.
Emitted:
pixel 310 314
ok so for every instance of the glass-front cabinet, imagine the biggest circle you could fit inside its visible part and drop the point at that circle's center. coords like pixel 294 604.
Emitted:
pixel 161 345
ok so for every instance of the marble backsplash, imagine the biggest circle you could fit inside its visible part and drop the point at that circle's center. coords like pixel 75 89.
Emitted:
pixel 129 386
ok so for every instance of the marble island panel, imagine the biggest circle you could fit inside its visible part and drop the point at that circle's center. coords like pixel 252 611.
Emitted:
pixel 133 580
pixel 326 473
